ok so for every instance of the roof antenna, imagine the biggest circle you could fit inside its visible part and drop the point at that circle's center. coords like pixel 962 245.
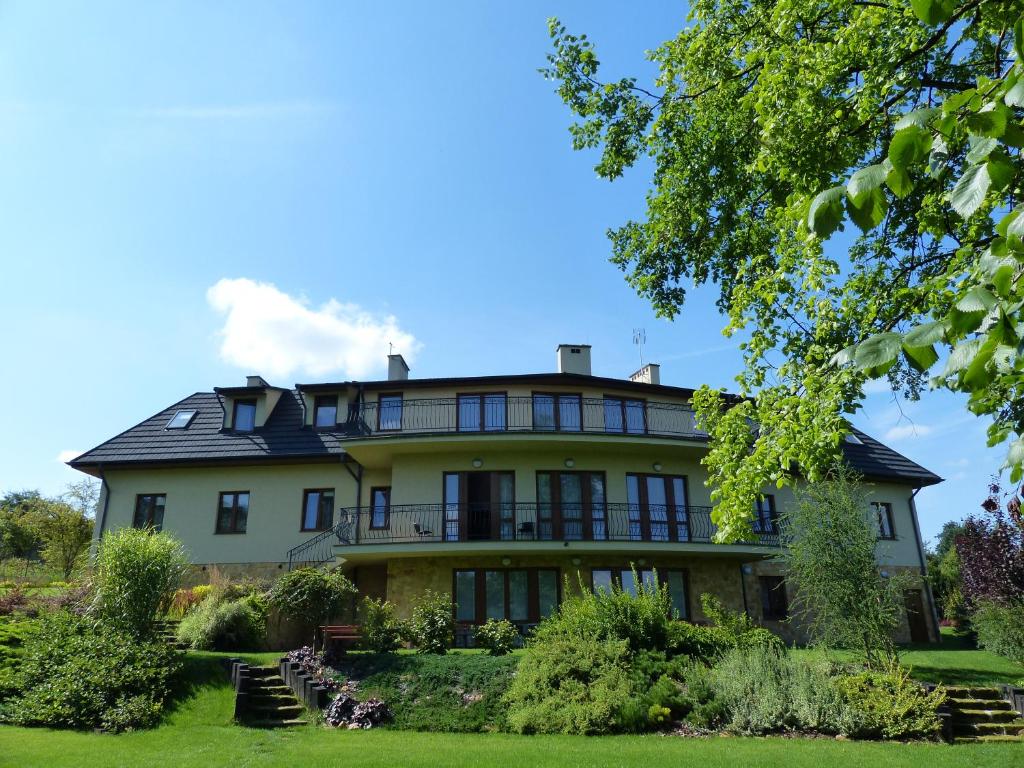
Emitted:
pixel 639 337
pixel 391 349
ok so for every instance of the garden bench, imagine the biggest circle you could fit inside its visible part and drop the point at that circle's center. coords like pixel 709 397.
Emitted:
pixel 341 636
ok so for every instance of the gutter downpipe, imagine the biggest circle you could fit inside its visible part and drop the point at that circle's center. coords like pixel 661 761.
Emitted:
pixel 743 589
pixel 924 566
pixel 101 523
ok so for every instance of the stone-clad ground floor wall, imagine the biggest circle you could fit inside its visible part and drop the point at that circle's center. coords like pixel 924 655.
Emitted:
pixel 403 580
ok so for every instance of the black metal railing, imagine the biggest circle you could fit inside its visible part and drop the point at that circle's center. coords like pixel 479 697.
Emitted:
pixel 517 522
pixel 561 414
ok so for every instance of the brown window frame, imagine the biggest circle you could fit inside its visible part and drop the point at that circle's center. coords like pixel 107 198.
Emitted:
pixel 386 489
pixel 622 410
pixel 151 519
pixel 886 507
pixel 557 411
pixel 326 401
pixel 770 584
pixel 233 531
pixel 462 504
pixel 319 513
pixel 670 503
pixel 234 414
pixel 380 410
pixel 482 399
pixel 586 501
pixel 662 574
pixel 480 593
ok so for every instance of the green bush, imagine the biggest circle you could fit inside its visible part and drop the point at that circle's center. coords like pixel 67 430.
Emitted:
pixel 457 692
pixel 570 685
pixel 890 705
pixel 1000 629
pixel 380 631
pixel 13 633
pixel 76 673
pixel 137 572
pixel 432 626
pixel 498 637
pixel 642 620
pixel 225 625
pixel 705 643
pixel 763 691
pixel 312 595
pixel 738 627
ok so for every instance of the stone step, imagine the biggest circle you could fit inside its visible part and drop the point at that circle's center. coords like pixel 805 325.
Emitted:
pixel 989 729
pixel 265 699
pixel 274 723
pixel 961 692
pixel 280 688
pixel 975 704
pixel 279 711
pixel 984 716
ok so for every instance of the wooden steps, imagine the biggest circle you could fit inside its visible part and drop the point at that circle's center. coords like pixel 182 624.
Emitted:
pixel 262 700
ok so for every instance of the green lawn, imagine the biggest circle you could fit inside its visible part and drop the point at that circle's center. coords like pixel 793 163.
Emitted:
pixel 954 662
pixel 199 732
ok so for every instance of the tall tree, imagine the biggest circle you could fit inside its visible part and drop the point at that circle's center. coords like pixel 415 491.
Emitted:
pixel 772 125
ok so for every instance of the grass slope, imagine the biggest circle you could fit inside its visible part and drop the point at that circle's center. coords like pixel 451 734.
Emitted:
pixel 199 732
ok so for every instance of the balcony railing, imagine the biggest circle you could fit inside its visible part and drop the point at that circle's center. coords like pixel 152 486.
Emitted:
pixel 514 522
pixel 559 414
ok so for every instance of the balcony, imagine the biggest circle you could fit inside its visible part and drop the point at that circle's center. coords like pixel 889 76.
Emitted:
pixel 497 413
pixel 518 525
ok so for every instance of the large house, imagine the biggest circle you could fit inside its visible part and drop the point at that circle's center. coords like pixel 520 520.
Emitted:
pixel 499 490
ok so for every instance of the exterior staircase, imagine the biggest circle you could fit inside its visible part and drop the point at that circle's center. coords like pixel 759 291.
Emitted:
pixel 262 700
pixel 167 630
pixel 983 714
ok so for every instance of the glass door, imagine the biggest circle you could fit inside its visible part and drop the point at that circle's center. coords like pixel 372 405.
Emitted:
pixel 658 509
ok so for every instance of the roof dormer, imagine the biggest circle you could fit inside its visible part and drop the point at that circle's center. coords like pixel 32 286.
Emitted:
pixel 247 408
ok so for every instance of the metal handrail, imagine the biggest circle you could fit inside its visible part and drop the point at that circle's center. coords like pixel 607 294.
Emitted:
pixel 497 413
pixel 516 522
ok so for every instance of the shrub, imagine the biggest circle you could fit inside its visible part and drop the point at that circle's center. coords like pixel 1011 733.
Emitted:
pixel 13 633
pixel 890 705
pixel 642 620
pixel 570 685
pixel 738 627
pixel 137 571
pixel 763 690
pixel 380 631
pixel 16 599
pixel 498 637
pixel 225 625
pixel 433 624
pixel 312 595
pixel 1000 629
pixel 76 673
pixel 186 600
pixel 704 643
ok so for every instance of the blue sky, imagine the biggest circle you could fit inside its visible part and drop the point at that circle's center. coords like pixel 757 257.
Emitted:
pixel 196 191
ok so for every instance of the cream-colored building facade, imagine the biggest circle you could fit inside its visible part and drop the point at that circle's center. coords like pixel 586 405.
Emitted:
pixel 502 491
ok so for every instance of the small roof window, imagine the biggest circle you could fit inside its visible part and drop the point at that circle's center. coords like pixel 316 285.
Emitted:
pixel 181 419
pixel 852 438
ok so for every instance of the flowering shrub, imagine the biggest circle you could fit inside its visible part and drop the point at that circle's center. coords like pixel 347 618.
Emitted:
pixel 498 637
pixel 433 624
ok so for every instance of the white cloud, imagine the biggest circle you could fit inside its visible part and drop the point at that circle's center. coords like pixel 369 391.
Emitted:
pixel 67 455
pixel 269 332
pixel 904 431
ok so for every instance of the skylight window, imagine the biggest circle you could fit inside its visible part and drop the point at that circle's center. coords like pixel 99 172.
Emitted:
pixel 181 419
pixel 852 438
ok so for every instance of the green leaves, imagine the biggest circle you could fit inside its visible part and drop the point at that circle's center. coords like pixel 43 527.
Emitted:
pixel 933 12
pixel 826 212
pixel 878 354
pixel 868 212
pixel 909 146
pixel 969 192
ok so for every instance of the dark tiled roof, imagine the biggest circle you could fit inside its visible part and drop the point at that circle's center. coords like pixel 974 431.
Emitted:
pixel 205 440
pixel 284 437
pixel 878 461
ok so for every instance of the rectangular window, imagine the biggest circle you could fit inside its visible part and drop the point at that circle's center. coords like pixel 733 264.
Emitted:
pixel 318 509
pixel 674 580
pixel 774 603
pixel 552 412
pixel 658 508
pixel 883 511
pixel 520 595
pixel 325 412
pixel 571 506
pixel 389 413
pixel 482 412
pixel 232 512
pixel 624 415
pixel 243 418
pixel 380 507
pixel 149 511
pixel 181 419
pixel 765 516
pixel 452 506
